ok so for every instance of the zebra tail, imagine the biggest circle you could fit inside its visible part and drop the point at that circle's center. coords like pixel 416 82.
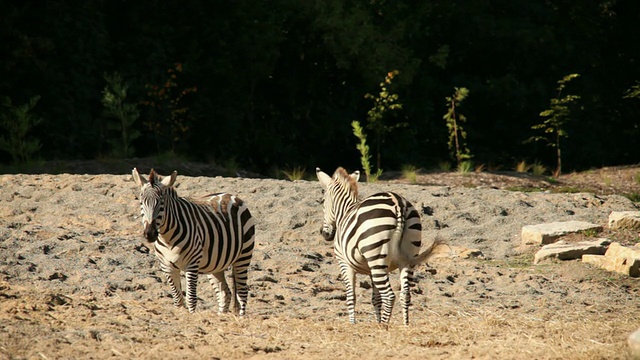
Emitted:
pixel 396 236
pixel 427 253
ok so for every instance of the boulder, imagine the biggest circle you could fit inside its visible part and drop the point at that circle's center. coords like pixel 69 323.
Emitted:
pixel 549 232
pixel 618 251
pixel 634 344
pixel 562 250
pixel 618 258
pixel 624 220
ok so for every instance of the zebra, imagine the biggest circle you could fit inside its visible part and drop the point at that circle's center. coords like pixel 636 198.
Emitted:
pixel 198 236
pixel 372 236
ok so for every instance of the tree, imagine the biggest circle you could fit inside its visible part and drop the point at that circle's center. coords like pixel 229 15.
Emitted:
pixel 457 134
pixel 18 122
pixel 383 103
pixel 556 118
pixel 125 115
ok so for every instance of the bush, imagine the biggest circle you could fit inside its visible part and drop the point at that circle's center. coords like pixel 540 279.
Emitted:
pixel 18 121
pixel 122 116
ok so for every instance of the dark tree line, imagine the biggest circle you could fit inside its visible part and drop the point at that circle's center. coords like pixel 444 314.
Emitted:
pixel 271 84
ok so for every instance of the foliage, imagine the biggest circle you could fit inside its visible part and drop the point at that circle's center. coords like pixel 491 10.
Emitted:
pixel 556 119
pixel 635 197
pixel 552 180
pixel 634 92
pixel 454 120
pixel 465 167
pixel 444 166
pixel 383 103
pixel 410 173
pixel 522 166
pixel 18 122
pixel 231 167
pixel 276 80
pixel 365 157
pixel 295 173
pixel 123 116
pixel 589 233
pixel 171 120
pixel 538 169
pixel 168 159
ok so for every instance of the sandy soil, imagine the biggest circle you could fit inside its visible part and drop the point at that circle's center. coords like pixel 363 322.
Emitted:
pixel 76 280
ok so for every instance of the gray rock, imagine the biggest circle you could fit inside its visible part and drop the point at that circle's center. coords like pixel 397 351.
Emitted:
pixel 549 232
pixel 569 251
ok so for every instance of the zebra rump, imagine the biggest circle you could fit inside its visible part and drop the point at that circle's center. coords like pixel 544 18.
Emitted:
pixel 372 236
pixel 203 236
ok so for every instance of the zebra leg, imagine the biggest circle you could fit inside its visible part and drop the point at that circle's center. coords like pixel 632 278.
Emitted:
pixel 376 300
pixel 380 277
pixel 192 283
pixel 173 278
pixel 406 282
pixel 240 288
pixel 223 293
pixel 349 278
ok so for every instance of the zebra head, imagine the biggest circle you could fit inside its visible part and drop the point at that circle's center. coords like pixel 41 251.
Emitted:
pixel 338 192
pixel 152 194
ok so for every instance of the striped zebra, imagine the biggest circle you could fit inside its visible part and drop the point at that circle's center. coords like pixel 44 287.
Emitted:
pixel 204 236
pixel 372 236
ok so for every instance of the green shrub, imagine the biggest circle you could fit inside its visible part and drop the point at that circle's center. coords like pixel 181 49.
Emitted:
pixel 444 166
pixel 17 122
pixel 633 92
pixel 538 169
pixel 122 116
pixel 556 119
pixel 410 173
pixel 383 103
pixel 296 173
pixel 465 167
pixel 457 134
pixel 364 152
pixel 171 119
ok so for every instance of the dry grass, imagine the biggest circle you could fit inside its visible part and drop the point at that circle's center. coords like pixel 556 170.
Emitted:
pixel 573 324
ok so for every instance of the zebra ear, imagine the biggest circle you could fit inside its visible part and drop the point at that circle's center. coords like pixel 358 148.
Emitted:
pixel 154 177
pixel 169 180
pixel 355 175
pixel 137 178
pixel 324 178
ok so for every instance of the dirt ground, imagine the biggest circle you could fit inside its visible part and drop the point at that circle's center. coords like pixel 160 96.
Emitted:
pixel 77 281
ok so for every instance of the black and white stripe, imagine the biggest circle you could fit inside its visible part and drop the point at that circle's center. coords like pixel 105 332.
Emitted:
pixel 372 236
pixel 203 236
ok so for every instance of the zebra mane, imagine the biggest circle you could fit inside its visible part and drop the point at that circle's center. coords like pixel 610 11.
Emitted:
pixel 342 177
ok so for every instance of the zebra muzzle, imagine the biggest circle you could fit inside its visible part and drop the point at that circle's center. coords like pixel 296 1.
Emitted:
pixel 327 233
pixel 150 232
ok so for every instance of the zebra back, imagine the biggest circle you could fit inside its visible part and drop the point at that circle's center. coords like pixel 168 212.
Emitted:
pixel 383 225
pixel 216 231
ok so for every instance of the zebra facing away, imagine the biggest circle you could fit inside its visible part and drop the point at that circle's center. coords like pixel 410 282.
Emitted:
pixel 204 236
pixel 372 236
